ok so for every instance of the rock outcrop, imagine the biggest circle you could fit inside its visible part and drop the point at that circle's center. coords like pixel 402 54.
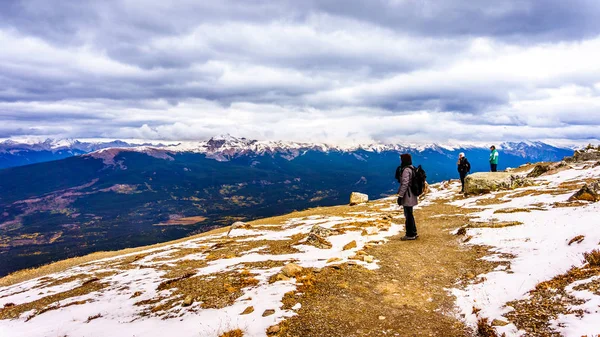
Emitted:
pixel 589 192
pixel 316 237
pixel 590 153
pixel 358 198
pixel 548 168
pixel 486 182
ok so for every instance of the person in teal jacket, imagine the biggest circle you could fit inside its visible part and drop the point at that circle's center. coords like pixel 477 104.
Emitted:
pixel 494 159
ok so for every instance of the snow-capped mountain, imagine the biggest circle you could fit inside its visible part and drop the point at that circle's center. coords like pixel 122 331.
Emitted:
pixel 226 147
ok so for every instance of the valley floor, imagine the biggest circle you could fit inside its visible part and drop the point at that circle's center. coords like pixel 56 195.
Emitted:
pixel 513 259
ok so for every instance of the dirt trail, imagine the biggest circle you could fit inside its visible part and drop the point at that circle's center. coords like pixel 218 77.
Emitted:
pixel 405 297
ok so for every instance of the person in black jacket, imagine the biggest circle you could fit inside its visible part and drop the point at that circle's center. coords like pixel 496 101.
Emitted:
pixel 463 168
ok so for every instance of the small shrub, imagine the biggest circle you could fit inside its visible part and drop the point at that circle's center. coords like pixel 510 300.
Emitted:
pixel 461 231
pixel 485 329
pixel 233 333
pixel 593 258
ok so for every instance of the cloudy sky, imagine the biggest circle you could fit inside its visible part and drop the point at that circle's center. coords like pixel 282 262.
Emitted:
pixel 332 70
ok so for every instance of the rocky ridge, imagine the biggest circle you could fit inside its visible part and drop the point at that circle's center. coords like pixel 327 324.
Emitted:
pixel 342 271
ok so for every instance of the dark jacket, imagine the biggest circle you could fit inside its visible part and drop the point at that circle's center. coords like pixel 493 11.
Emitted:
pixel 463 165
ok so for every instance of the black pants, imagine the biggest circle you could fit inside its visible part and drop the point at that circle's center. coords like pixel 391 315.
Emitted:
pixel 463 175
pixel 494 167
pixel 411 226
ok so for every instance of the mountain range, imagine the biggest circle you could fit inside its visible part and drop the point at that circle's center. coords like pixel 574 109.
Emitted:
pixel 83 197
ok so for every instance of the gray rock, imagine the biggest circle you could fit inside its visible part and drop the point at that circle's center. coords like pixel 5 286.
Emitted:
pixel 317 241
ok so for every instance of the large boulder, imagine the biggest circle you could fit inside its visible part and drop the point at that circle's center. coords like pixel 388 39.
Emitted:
pixel 358 198
pixel 589 192
pixel 486 182
pixel 587 154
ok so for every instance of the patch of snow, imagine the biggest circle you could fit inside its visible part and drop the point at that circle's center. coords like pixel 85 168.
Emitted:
pixel 539 246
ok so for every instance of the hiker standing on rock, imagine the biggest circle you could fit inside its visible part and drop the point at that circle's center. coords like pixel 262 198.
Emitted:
pixel 463 168
pixel 407 198
pixel 494 159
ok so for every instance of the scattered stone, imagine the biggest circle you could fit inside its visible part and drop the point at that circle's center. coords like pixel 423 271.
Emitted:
pixel 248 310
pixel 361 252
pixel 350 245
pixel 358 198
pixel 136 294
pixel 364 232
pixel 334 259
pixel 470 275
pixel 461 231
pixel 381 318
pixel 316 240
pixel 235 225
pixel 368 258
pixel 498 322
pixel 268 312
pixel 589 192
pixel 548 168
pixel 291 270
pixel 273 330
pixel 188 301
pixel 538 170
pixel 321 231
pixel 281 277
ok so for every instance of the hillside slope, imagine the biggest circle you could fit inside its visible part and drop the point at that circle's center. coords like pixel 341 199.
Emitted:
pixel 127 197
pixel 513 258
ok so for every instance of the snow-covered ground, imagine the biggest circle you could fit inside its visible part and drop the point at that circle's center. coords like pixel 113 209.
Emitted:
pixel 537 250
pixel 115 305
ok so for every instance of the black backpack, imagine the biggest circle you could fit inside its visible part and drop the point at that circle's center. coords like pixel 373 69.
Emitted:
pixel 417 184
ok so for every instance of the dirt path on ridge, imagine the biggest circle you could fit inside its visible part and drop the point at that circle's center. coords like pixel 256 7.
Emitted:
pixel 407 296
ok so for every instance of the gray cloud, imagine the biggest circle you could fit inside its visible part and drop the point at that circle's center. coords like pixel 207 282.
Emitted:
pixel 300 69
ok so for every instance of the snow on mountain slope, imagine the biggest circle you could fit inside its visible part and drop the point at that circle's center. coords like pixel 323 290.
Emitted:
pixel 534 250
pixel 132 294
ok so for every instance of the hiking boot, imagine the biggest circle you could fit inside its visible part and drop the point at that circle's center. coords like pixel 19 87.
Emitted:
pixel 408 238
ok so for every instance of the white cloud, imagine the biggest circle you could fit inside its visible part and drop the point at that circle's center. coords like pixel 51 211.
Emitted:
pixel 284 71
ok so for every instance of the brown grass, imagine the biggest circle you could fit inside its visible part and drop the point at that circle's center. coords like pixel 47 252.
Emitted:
pixel 485 329
pixel 50 302
pixel 593 258
pixel 548 300
pixel 233 333
pixel 494 224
